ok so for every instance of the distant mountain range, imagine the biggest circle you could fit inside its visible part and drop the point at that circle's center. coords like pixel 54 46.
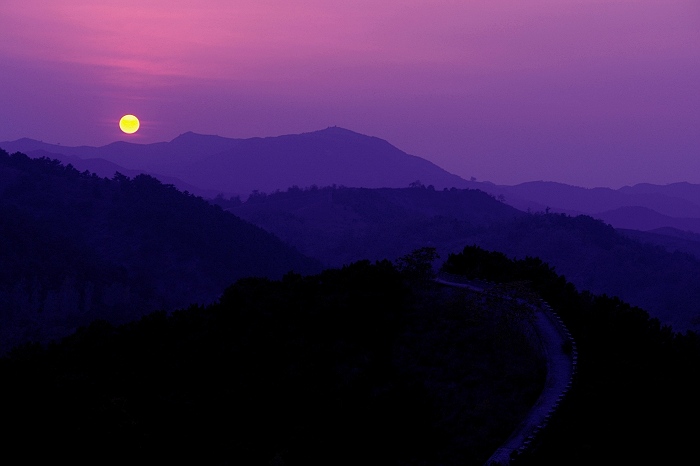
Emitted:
pixel 208 165
pixel 668 214
pixel 641 207
pixel 213 164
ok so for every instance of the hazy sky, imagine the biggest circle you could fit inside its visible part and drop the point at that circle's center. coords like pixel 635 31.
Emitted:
pixel 586 92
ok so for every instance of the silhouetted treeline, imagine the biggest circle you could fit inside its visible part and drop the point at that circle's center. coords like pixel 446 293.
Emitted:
pixel 360 365
pixel 597 258
pixel 75 247
pixel 339 225
pixel 635 400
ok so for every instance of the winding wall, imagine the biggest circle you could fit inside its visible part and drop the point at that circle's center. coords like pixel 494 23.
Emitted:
pixel 561 354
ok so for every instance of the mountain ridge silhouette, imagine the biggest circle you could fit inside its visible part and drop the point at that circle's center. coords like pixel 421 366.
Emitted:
pixel 240 166
pixel 208 165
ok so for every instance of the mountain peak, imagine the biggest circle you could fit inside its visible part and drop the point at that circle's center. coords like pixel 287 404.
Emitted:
pixel 336 130
pixel 192 136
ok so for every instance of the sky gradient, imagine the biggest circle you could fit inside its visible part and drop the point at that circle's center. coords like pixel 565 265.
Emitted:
pixel 585 92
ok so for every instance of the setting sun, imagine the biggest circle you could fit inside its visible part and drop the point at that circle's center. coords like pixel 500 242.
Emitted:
pixel 129 124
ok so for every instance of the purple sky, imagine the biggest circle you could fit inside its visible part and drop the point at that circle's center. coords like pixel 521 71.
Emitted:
pixel 586 92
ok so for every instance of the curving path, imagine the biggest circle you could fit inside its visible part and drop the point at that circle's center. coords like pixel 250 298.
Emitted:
pixel 561 368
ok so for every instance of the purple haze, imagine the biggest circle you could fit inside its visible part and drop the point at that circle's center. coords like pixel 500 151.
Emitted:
pixel 586 92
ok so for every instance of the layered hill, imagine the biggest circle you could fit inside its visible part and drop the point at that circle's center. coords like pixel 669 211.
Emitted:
pixel 75 247
pixel 674 200
pixel 106 169
pixel 370 223
pixel 340 225
pixel 642 206
pixel 240 166
pixel 662 215
pixel 209 165
pixel 671 239
pixel 645 219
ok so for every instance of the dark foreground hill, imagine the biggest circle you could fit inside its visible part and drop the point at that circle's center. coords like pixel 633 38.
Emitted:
pixel 75 247
pixel 634 399
pixel 361 365
pixel 339 225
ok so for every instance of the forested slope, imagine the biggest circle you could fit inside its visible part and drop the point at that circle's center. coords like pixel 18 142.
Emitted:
pixel 635 397
pixel 75 247
pixel 364 364
pixel 339 225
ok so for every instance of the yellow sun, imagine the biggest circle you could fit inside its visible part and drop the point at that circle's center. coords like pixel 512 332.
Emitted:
pixel 129 124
